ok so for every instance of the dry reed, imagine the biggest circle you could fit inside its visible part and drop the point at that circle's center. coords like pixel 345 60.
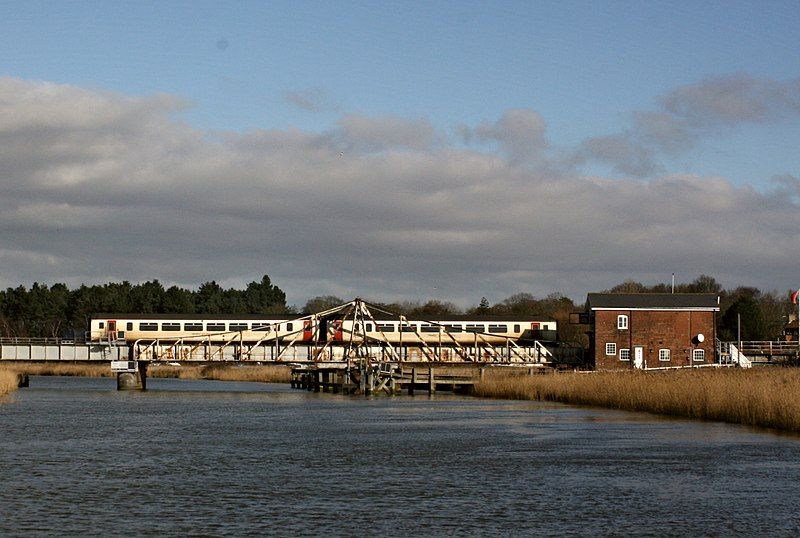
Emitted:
pixel 8 382
pixel 277 373
pixel 767 397
pixel 77 369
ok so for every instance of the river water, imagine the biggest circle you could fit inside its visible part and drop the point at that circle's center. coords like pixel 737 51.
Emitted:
pixel 220 458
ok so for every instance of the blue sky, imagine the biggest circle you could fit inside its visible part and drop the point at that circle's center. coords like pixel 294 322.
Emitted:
pixel 583 65
pixel 586 69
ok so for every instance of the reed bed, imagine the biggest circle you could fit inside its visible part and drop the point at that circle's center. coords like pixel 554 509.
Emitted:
pixel 766 397
pixel 277 373
pixel 76 369
pixel 8 382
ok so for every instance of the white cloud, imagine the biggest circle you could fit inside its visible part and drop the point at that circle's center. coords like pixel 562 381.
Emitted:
pixel 733 100
pixel 520 133
pixel 688 114
pixel 309 99
pixel 369 134
pixel 113 187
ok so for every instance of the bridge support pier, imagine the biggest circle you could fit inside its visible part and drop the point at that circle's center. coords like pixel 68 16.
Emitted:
pixel 133 378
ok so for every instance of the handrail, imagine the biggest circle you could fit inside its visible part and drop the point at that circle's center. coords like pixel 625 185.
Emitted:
pixel 41 340
pixel 768 347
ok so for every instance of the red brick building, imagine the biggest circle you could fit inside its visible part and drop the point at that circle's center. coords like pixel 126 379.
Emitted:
pixel 651 330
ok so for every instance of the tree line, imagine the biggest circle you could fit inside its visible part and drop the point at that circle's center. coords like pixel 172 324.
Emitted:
pixel 57 310
pixel 52 311
pixel 747 311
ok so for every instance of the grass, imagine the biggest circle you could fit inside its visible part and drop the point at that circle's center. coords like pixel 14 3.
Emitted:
pixel 766 397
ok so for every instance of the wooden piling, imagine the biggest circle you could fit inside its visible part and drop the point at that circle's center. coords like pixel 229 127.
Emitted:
pixel 413 381
pixel 23 380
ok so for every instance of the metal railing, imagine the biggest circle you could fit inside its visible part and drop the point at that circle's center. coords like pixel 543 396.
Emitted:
pixel 41 341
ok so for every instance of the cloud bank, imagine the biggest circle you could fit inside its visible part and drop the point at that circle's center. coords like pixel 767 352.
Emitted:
pixel 101 186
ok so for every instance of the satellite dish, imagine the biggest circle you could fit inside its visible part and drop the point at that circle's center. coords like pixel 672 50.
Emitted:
pixel 700 338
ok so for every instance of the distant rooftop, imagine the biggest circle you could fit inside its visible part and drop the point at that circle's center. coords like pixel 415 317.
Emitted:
pixel 703 301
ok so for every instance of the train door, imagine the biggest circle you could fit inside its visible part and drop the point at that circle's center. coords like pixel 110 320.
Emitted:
pixel 337 330
pixel 322 330
pixel 111 329
pixel 308 330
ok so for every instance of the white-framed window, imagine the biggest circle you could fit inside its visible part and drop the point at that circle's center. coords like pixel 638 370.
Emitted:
pixel 699 355
pixel 622 321
pixel 663 355
pixel 625 354
pixel 611 348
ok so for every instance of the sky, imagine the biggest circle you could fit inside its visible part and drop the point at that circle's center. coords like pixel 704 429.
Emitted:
pixel 400 150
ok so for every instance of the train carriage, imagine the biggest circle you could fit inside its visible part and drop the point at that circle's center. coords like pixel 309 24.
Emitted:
pixel 460 330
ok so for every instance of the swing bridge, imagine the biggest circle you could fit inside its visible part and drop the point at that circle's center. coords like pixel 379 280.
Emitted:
pixel 354 331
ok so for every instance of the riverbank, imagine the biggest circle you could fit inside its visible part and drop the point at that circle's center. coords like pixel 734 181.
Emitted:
pixel 272 373
pixel 765 397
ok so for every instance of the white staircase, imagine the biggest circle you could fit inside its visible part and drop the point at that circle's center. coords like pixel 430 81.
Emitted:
pixel 737 357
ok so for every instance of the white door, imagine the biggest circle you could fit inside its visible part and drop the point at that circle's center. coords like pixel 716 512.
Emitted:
pixel 638 357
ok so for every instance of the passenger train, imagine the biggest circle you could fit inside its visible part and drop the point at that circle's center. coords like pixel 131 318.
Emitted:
pixel 131 328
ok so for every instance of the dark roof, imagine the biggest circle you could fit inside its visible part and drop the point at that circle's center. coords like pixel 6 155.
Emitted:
pixel 653 300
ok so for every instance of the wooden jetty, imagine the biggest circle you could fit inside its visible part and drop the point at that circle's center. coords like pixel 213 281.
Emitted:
pixel 385 378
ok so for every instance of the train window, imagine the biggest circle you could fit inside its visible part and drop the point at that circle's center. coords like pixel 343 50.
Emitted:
pixel 289 326
pixel 239 326
pixel 192 326
pixel 170 326
pixel 261 326
pixel 148 326
pixel 129 326
pixel 386 328
pixel 476 328
pixel 408 328
pixel 368 327
pixel 102 324
pixel 516 327
pixel 215 326
pixel 430 328
pixel 498 328
pixel 453 328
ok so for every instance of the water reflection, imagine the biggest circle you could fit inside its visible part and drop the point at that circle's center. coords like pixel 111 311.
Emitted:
pixel 205 457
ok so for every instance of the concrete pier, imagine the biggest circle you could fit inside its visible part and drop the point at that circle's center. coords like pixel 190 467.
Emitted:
pixel 131 375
